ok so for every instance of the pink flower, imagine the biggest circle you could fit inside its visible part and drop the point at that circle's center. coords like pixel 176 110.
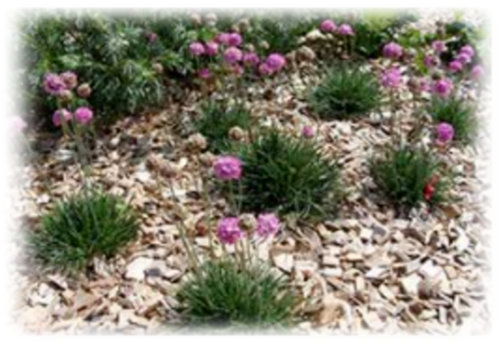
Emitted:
pixel 392 50
pixel 223 38
pixel 18 125
pixel 268 224
pixel 204 73
pixel 238 70
pixel 228 168
pixel 455 66
pixel 212 48
pixel 308 131
pixel 60 116
pixel 431 61
pixel 443 87
pixel 83 115
pixel 233 55
pixel 151 37
pixel 468 50
pixel 235 39
pixel 477 71
pixel 251 59
pixel 423 85
pixel 275 62
pixel 445 132
pixel 196 49
pixel 70 79
pixel 391 78
pixel 228 230
pixel 345 30
pixel 53 84
pixel 439 46
pixel 264 69
pixel 328 26
pixel 464 58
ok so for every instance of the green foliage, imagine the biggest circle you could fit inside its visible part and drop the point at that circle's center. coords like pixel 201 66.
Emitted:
pixel 113 55
pixel 458 113
pixel 459 34
pixel 402 173
pixel 216 121
pixel 85 226
pixel 346 92
pixel 374 30
pixel 222 294
pixel 287 175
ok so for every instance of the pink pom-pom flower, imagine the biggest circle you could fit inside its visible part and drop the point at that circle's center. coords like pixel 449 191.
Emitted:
pixel 392 50
pixel 443 87
pixel 268 225
pixel 228 168
pixel 228 230
pixel 391 78
pixel 345 30
pixel 445 132
pixel 328 26
pixel 83 115
pixel 60 116
pixel 196 49
pixel 233 55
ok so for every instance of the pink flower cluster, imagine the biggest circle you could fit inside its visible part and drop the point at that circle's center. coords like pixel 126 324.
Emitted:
pixel 391 78
pixel 329 25
pixel 56 84
pixel 228 168
pixel 392 50
pixel 82 115
pixel 229 230
pixel 445 132
pixel 234 56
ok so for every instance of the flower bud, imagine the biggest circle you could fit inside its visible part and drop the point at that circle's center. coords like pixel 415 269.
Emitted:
pixel 84 90
pixel 158 68
pixel 264 45
pixel 66 96
pixel 195 19
pixel 207 159
pixel 236 133
pixel 248 222
pixel 197 142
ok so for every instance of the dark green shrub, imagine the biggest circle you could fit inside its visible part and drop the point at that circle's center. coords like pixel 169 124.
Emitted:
pixel 223 294
pixel 458 113
pixel 346 92
pixel 287 175
pixel 402 173
pixel 81 228
pixel 216 121
pixel 113 55
pixel 374 30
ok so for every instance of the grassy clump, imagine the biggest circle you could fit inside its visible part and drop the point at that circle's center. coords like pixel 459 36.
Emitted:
pixel 345 93
pixel 81 228
pixel 402 173
pixel 458 113
pixel 286 175
pixel 225 295
pixel 216 121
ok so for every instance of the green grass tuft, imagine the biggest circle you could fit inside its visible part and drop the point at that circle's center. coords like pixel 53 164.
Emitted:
pixel 345 93
pixel 224 295
pixel 81 228
pixel 459 114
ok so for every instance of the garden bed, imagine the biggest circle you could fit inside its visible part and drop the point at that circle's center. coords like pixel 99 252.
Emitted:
pixel 365 266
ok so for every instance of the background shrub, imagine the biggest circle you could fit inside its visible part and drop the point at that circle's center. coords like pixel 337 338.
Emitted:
pixel 81 228
pixel 216 121
pixel 113 55
pixel 374 30
pixel 402 173
pixel 347 91
pixel 458 113
pixel 287 175
pixel 225 295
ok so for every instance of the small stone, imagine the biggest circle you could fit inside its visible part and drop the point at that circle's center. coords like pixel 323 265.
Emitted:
pixel 386 292
pixel 430 271
pixel 376 273
pixel 332 272
pixel 136 269
pixel 284 262
pixel 340 238
pixel 353 256
pixel 410 284
pixel 373 321
pixel 330 261
pixel 462 243
pixel 366 234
